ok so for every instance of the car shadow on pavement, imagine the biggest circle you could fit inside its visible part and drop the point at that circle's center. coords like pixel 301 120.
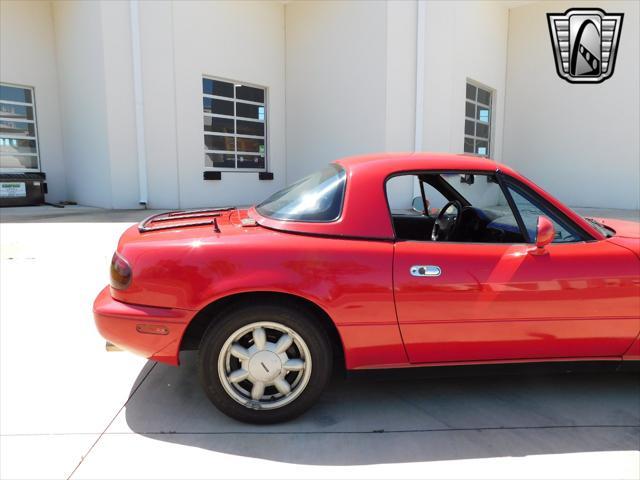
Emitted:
pixel 360 422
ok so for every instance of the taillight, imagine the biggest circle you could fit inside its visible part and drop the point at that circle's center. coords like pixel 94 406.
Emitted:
pixel 120 272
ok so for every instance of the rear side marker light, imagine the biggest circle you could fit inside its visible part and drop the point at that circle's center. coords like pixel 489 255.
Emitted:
pixel 152 329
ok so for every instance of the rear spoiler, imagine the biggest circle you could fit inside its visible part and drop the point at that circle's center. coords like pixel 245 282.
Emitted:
pixel 182 214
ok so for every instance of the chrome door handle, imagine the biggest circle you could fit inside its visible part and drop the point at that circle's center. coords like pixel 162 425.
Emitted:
pixel 425 271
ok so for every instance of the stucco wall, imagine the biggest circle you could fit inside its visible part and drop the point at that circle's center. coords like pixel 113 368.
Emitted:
pixel 401 92
pixel 350 84
pixel 29 26
pixel 81 74
pixel 120 104
pixel 181 42
pixel 580 142
pixel 336 82
pixel 77 57
pixel 340 79
pixel 464 40
pixel 158 83
pixel 93 49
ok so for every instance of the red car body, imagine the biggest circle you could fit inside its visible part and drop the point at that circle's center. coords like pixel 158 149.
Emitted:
pixel 494 302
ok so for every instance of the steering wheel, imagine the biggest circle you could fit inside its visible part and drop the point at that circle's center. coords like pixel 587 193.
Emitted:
pixel 446 225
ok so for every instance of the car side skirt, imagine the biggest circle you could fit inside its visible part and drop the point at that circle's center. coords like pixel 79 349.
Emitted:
pixel 539 367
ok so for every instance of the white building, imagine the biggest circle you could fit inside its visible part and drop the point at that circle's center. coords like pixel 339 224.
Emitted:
pixel 123 112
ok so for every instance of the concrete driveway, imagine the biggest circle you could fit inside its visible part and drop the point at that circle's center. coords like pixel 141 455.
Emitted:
pixel 70 409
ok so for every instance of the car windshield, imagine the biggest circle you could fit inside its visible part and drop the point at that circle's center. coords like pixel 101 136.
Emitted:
pixel 316 198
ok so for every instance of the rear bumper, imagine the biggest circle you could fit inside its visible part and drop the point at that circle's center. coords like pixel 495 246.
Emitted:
pixel 119 323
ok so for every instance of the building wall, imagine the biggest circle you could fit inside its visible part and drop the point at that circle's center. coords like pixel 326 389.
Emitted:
pixel 464 39
pixel 93 41
pixel 120 104
pixel 341 81
pixel 580 142
pixel 28 57
pixel 336 80
pixel 401 92
pixel 181 42
pixel 81 76
pixel 160 119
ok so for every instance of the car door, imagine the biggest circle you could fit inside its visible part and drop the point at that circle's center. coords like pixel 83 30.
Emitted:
pixel 464 302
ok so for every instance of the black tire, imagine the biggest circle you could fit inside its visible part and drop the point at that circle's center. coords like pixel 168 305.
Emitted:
pixel 303 321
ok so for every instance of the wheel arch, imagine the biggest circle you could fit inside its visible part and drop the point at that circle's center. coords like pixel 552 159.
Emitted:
pixel 212 312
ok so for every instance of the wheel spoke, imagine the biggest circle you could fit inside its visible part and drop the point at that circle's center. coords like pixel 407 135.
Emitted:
pixel 238 375
pixel 257 391
pixel 284 342
pixel 294 365
pixel 282 386
pixel 239 351
pixel 259 338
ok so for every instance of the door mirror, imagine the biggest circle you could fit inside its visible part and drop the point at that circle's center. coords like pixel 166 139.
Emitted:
pixel 417 205
pixel 545 233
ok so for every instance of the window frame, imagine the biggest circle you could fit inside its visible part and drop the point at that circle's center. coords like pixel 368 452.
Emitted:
pixel 476 121
pixel 235 119
pixel 503 181
pixel 444 188
pixel 551 211
pixel 33 122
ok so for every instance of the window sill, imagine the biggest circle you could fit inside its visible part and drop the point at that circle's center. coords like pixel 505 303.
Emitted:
pixel 217 174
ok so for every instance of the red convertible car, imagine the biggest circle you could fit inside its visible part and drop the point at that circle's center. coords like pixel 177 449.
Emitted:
pixel 486 269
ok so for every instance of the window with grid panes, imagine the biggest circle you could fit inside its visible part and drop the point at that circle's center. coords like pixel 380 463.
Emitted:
pixel 235 125
pixel 477 122
pixel 18 132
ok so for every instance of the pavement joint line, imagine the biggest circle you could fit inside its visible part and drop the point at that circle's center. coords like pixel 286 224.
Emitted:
pixel 112 420
pixel 323 432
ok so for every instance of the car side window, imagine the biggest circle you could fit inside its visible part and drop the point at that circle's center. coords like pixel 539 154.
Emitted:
pixel 434 198
pixel 530 210
pixel 399 202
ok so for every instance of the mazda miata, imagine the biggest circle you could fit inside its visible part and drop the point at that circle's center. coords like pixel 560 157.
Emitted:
pixel 483 269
